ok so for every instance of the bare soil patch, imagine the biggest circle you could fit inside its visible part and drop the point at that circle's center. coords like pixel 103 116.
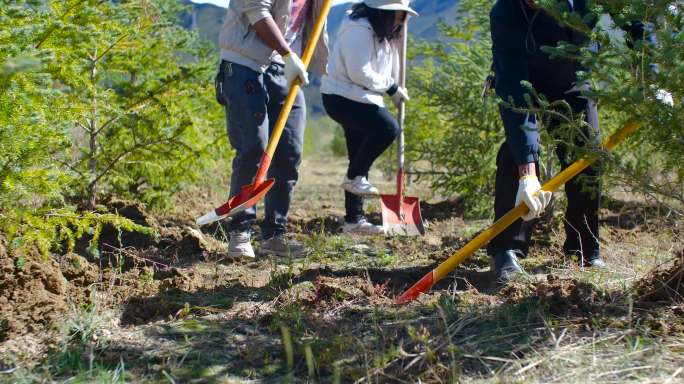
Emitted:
pixel 664 284
pixel 179 309
pixel 561 296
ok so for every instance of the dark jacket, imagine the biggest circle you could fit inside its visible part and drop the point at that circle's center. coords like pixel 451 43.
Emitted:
pixel 518 33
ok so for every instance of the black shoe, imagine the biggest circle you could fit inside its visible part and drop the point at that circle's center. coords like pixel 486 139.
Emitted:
pixel 506 266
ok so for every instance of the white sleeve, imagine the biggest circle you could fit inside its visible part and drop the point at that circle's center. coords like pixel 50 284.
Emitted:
pixel 357 47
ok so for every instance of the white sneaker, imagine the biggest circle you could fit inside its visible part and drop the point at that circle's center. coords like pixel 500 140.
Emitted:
pixel 240 246
pixel 362 227
pixel 359 186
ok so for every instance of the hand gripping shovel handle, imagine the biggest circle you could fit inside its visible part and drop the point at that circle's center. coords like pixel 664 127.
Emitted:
pixel 292 95
pixel 426 282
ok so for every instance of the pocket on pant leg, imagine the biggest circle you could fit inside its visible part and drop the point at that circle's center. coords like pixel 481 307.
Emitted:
pixel 247 94
pixel 256 100
pixel 247 119
pixel 223 83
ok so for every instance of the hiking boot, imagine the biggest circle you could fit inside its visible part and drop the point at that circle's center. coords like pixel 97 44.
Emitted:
pixel 282 246
pixel 362 227
pixel 506 266
pixel 240 246
pixel 359 186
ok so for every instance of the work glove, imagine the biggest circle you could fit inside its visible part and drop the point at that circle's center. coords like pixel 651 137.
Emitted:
pixel 400 96
pixel 529 192
pixel 664 97
pixel 294 67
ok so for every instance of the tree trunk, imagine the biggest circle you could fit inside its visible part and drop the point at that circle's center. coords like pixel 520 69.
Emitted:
pixel 92 135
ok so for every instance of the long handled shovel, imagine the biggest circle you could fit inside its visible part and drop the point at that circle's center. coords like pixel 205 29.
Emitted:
pixel 252 193
pixel 401 214
pixel 426 282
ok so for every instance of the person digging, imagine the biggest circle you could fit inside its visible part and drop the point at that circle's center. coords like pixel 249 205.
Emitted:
pixel 518 30
pixel 363 67
pixel 261 42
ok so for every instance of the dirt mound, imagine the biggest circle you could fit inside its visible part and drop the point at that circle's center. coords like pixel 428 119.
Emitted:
pixel 136 213
pixel 327 290
pixel 320 224
pixel 186 244
pixel 664 283
pixel 159 248
pixel 560 296
pixel 443 210
pixel 34 292
pixel 167 243
pixel 631 214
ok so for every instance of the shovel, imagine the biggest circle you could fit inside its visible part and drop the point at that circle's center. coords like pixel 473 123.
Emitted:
pixel 426 282
pixel 401 214
pixel 251 194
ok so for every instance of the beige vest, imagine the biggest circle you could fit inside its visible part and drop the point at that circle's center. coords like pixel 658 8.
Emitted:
pixel 240 44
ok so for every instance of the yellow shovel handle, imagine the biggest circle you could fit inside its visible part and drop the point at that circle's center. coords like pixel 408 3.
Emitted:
pixel 292 95
pixel 514 214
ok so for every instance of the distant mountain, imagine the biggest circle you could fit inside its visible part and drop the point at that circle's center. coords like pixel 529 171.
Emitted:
pixel 205 18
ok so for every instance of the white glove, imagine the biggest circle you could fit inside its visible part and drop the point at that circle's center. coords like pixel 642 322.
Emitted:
pixel 664 97
pixel 401 95
pixel 531 194
pixel 294 67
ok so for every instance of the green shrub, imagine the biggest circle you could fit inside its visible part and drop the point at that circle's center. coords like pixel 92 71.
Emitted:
pixel 625 84
pixel 452 133
pixel 137 91
pixel 99 98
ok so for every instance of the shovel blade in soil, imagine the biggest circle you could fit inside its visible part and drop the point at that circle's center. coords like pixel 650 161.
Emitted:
pixel 408 224
pixel 421 286
pixel 248 197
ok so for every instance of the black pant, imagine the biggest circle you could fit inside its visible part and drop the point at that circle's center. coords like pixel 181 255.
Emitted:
pixel 369 131
pixel 583 192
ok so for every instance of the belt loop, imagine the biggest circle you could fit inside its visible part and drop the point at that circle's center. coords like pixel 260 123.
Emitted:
pixel 229 66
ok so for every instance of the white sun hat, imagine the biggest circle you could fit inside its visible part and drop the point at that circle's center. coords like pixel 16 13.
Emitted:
pixel 391 5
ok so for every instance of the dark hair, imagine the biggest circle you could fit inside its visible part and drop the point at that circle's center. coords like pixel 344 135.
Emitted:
pixel 381 20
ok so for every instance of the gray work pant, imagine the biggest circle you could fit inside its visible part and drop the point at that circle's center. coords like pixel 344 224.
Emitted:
pixel 253 103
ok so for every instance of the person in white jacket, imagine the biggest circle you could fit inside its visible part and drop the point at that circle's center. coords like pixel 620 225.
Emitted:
pixel 363 67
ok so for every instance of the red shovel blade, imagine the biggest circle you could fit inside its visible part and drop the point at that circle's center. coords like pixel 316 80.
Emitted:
pixel 408 224
pixel 422 286
pixel 248 196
